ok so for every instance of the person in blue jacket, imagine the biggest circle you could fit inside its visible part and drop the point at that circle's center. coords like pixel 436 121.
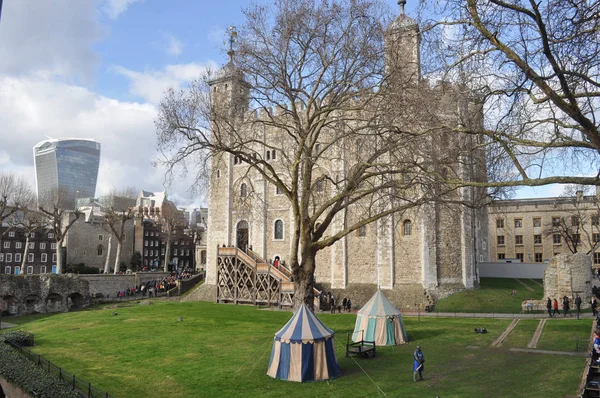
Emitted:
pixel 418 363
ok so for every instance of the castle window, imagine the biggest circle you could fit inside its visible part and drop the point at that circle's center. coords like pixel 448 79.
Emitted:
pixel 273 154
pixel 362 231
pixel 501 256
pixel 218 173
pixel 595 221
pixel 538 257
pixel 319 185
pixel 555 221
pixel 520 256
pixel 268 155
pixel 318 148
pixel 243 190
pixel 596 238
pixel 537 239
pixel 44 257
pixel 100 237
pixel 537 222
pixel 556 238
pixel 100 250
pixel 518 223
pixel 575 221
pixel 500 240
pixel 596 258
pixel 278 230
pixel 500 223
pixel 277 190
pixel 518 239
pixel 407 228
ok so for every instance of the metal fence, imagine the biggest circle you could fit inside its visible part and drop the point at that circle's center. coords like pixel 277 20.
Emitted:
pixel 83 387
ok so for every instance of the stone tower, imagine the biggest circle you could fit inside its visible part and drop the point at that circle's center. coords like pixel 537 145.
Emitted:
pixel 229 102
pixel 402 43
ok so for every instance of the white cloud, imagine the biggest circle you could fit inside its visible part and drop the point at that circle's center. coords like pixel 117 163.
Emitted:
pixel 175 47
pixel 114 8
pixel 50 38
pixel 150 85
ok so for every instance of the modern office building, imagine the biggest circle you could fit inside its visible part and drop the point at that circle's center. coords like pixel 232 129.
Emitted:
pixel 68 166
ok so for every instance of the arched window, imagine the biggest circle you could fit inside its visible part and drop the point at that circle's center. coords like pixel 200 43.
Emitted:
pixel 243 190
pixel 407 228
pixel 274 154
pixel 268 155
pixel 278 229
pixel 319 184
pixel 100 250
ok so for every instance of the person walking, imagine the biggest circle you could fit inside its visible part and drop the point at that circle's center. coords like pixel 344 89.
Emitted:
pixel 332 304
pixel 549 307
pixel 349 305
pixel 344 301
pixel 594 304
pixel 578 304
pixel 566 306
pixel 556 311
pixel 418 363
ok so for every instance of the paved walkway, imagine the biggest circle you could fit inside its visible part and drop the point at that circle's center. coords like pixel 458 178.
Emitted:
pixel 6 325
pixel 583 315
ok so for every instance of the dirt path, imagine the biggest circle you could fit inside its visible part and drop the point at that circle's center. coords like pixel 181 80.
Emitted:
pixel 536 336
pixel 498 342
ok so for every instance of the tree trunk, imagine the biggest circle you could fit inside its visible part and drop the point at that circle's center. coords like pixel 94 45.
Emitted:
pixel 25 253
pixel 118 255
pixel 107 259
pixel 59 269
pixel 304 281
pixel 167 253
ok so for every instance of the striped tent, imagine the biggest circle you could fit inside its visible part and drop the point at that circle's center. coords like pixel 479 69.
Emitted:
pixel 303 350
pixel 379 321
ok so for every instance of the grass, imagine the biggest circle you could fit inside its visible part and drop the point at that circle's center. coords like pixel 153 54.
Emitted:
pixel 223 351
pixel 563 335
pixel 521 335
pixel 494 296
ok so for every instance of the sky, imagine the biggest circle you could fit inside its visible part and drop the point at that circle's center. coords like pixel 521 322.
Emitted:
pixel 98 68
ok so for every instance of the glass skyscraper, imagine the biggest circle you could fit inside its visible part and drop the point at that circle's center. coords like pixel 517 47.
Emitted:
pixel 66 166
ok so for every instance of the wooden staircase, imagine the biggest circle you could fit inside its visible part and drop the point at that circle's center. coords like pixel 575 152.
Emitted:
pixel 245 277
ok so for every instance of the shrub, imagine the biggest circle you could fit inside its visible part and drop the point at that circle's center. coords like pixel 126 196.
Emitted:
pixel 18 370
pixel 122 266
pixel 20 337
pixel 81 269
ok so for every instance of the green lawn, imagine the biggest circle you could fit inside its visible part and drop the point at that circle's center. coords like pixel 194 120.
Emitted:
pixel 494 295
pixel 521 335
pixel 563 334
pixel 223 351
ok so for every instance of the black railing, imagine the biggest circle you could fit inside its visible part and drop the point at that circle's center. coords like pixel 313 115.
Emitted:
pixel 76 384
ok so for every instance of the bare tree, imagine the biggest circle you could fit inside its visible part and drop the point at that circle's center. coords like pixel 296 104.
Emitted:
pixel 170 220
pixel 59 220
pixel 537 66
pixel 312 103
pixel 29 221
pixel 581 228
pixel 15 194
pixel 117 213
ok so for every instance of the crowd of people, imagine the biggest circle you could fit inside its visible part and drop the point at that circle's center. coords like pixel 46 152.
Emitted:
pixel 553 307
pixel 327 302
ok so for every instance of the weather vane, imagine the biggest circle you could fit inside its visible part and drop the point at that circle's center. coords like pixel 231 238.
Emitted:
pixel 232 38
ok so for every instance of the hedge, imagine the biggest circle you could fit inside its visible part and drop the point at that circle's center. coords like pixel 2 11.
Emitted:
pixel 19 371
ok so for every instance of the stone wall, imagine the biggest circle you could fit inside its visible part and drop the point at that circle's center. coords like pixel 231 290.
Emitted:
pixel 109 284
pixel 11 391
pixel 28 294
pixel 568 275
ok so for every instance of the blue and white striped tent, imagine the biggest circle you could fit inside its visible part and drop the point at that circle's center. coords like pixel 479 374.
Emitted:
pixel 303 350
pixel 379 321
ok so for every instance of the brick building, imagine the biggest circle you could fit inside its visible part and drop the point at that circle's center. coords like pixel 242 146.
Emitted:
pixel 41 255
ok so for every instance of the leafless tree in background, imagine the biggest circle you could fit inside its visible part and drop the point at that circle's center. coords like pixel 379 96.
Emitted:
pixel 59 220
pixel 15 194
pixel 536 64
pixel 120 210
pixel 170 220
pixel 28 220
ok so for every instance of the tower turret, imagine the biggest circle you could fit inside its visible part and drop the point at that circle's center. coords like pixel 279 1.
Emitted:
pixel 402 44
pixel 229 91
